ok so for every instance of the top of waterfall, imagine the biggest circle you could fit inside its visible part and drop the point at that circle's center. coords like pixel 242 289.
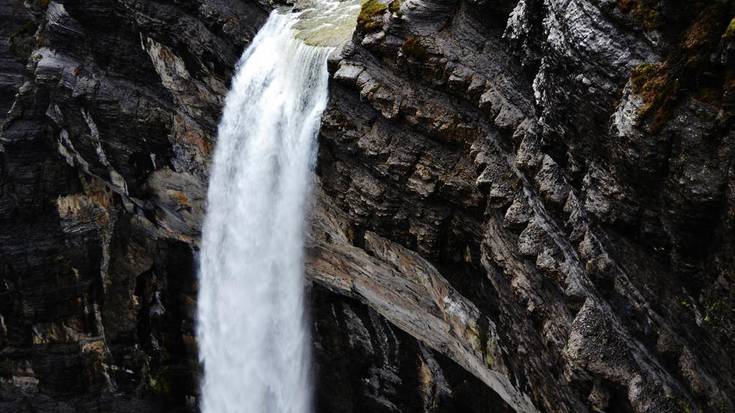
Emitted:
pixel 326 23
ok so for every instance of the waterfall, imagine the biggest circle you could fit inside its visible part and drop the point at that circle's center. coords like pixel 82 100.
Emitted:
pixel 253 336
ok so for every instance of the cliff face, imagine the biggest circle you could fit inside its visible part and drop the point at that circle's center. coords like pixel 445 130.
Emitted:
pixel 520 205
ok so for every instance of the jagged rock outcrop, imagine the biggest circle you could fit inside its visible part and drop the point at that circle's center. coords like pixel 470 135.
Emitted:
pixel 520 205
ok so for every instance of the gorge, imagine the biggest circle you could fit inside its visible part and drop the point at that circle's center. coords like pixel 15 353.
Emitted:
pixel 516 205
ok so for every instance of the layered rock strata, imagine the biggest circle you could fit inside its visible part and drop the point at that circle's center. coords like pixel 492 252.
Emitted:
pixel 519 205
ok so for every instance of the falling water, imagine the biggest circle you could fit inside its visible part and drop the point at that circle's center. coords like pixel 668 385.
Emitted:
pixel 254 341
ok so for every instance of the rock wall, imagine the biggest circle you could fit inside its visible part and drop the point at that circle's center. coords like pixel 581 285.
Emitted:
pixel 520 205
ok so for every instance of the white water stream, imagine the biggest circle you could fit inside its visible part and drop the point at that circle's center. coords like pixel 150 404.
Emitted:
pixel 252 331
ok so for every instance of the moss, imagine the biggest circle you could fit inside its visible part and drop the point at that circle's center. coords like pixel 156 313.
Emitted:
pixel 21 41
pixel 730 31
pixel 413 48
pixel 645 12
pixel 159 384
pixel 490 349
pixel 688 70
pixel 718 314
pixel 641 75
pixel 394 6
pixel 484 342
pixel 369 10
pixel 699 34
pixel 489 361
pixel 157 378
pixel 654 84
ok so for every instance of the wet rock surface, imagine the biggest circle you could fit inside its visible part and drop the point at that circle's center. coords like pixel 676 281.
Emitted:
pixel 520 205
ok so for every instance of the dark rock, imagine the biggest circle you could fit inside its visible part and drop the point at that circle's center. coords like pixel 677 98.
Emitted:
pixel 511 212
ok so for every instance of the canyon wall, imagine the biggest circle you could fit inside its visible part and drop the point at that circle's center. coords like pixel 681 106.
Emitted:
pixel 519 205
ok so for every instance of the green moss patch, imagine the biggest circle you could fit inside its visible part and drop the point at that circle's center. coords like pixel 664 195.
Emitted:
pixel 159 384
pixel 646 12
pixel 653 84
pixel 641 75
pixel 370 11
pixel 688 70
pixel 394 6
pixel 730 31
pixel 413 48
